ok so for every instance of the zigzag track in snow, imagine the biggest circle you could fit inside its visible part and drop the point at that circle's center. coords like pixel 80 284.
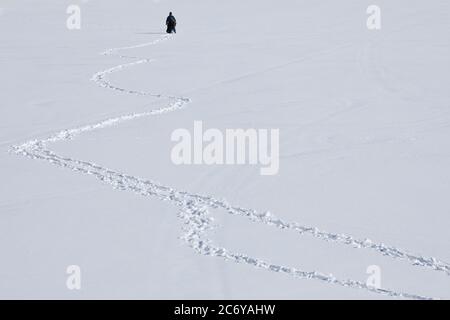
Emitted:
pixel 193 208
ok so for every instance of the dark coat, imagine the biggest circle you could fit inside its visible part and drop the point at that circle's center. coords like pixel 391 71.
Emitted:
pixel 171 23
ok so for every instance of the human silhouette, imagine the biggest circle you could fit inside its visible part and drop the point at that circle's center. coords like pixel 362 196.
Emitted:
pixel 171 23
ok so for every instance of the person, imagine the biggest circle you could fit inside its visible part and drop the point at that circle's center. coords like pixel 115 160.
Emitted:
pixel 171 23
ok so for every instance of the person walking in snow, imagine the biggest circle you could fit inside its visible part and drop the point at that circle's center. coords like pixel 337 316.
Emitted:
pixel 171 23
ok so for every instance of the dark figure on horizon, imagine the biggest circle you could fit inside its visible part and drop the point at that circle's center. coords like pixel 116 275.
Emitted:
pixel 171 23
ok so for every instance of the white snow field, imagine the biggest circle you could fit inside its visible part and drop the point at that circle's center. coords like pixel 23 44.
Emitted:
pixel 85 140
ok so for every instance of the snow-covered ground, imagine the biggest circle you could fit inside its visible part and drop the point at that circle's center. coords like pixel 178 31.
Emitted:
pixel 364 120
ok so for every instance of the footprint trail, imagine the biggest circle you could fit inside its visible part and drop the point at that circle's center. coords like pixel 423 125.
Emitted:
pixel 195 210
